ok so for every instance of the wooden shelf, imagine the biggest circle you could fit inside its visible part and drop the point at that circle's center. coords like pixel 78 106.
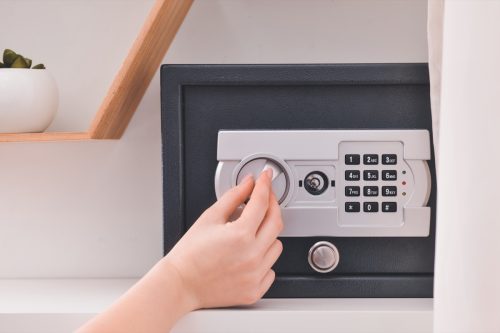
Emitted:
pixel 132 80
pixel 47 136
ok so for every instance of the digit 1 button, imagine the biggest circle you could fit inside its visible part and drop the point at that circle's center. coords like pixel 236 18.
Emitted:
pixel 389 175
pixel 352 191
pixel 352 175
pixel 389 207
pixel 352 207
pixel 389 159
pixel 370 159
pixel 352 159
pixel 370 207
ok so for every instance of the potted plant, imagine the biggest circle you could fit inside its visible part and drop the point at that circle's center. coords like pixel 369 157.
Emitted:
pixel 29 97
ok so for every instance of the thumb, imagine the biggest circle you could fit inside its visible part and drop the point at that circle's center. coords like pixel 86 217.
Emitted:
pixel 233 198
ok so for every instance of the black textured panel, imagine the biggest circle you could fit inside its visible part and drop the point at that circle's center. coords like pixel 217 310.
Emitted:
pixel 199 100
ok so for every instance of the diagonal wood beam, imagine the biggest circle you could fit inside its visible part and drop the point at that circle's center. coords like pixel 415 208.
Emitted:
pixel 141 64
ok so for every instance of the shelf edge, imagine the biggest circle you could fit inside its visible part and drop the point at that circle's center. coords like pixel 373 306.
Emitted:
pixel 44 137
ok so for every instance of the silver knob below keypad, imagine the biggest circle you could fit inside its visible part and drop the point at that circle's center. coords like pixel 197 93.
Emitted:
pixel 323 257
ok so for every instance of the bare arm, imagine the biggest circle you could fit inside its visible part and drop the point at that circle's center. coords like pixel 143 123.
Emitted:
pixel 217 263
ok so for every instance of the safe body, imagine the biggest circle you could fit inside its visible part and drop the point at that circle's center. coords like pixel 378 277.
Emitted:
pixel 215 119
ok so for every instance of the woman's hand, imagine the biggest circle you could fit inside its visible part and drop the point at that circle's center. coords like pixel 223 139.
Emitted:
pixel 217 263
pixel 224 263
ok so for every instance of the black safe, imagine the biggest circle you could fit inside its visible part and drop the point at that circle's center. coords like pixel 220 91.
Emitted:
pixel 203 104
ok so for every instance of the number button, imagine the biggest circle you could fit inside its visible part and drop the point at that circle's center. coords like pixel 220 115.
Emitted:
pixel 389 191
pixel 352 159
pixel 370 175
pixel 352 207
pixel 370 191
pixel 389 207
pixel 370 159
pixel 352 175
pixel 389 175
pixel 389 159
pixel 352 191
pixel 370 207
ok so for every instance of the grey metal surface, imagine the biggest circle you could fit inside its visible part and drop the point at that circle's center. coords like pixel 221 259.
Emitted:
pixel 296 155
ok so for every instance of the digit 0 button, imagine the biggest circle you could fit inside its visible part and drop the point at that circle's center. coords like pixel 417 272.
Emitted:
pixel 323 257
pixel 370 207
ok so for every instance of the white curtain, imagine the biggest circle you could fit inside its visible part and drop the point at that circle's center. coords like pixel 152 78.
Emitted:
pixel 464 56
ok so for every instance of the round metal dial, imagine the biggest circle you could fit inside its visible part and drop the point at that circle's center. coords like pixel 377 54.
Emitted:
pixel 323 257
pixel 280 181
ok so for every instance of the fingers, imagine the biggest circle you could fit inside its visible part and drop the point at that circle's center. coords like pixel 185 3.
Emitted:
pixel 233 198
pixel 257 206
pixel 272 255
pixel 272 225
pixel 266 283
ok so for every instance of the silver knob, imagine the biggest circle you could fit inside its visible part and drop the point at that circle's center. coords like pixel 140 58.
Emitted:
pixel 280 181
pixel 323 257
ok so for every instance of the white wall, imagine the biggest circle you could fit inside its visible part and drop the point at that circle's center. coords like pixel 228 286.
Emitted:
pixel 466 289
pixel 93 209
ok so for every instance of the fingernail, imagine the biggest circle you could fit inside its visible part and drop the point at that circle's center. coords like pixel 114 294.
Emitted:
pixel 268 172
pixel 246 179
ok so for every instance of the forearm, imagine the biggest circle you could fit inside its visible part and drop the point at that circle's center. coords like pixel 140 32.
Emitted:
pixel 154 304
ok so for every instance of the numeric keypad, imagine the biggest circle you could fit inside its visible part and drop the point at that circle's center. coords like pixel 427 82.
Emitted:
pixel 369 178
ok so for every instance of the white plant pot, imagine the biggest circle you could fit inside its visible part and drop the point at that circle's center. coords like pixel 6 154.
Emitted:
pixel 29 100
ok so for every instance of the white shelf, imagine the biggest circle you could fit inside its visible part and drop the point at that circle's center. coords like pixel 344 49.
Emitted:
pixel 63 305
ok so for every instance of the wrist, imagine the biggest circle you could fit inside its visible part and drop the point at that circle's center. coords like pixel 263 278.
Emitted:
pixel 185 293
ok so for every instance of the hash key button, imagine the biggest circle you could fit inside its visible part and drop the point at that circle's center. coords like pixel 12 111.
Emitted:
pixel 389 175
pixel 389 207
pixel 370 207
pixel 352 175
pixel 389 159
pixel 352 207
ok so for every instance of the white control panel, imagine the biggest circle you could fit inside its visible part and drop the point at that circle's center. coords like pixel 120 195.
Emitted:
pixel 340 183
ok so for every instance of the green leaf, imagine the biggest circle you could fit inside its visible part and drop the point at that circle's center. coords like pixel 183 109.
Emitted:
pixel 39 66
pixel 9 57
pixel 19 63
pixel 28 61
pixel 2 65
